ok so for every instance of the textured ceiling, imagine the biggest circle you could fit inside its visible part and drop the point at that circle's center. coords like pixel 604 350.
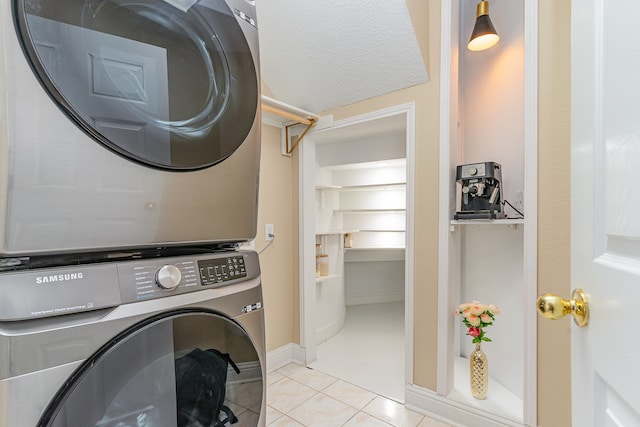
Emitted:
pixel 323 54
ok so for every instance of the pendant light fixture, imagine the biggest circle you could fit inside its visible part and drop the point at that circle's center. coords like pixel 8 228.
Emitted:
pixel 484 34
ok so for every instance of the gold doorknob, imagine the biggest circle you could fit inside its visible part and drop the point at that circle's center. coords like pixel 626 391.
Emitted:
pixel 553 307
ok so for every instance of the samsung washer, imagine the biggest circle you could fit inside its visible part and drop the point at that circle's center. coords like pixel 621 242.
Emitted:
pixel 98 345
pixel 127 124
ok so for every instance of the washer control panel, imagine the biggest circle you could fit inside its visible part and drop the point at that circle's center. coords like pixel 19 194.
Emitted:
pixel 152 278
pixel 219 270
pixel 168 276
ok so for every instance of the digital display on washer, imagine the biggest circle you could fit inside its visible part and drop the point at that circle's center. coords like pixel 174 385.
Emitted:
pixel 219 270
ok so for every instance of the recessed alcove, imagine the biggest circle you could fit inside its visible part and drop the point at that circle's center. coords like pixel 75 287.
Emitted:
pixel 490 116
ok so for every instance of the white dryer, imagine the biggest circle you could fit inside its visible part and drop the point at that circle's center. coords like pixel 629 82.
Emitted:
pixel 110 345
pixel 127 124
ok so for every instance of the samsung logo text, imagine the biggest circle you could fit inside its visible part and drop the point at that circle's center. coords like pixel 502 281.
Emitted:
pixel 59 278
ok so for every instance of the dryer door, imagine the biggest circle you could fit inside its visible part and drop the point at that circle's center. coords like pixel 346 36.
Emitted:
pixel 182 368
pixel 171 84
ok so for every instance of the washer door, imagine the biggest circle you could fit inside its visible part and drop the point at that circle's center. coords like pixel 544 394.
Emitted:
pixel 168 83
pixel 166 371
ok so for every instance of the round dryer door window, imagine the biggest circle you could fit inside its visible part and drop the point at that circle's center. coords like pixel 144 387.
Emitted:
pixel 183 368
pixel 168 83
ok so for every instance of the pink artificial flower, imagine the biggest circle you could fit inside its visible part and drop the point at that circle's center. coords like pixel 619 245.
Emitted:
pixel 462 308
pixel 494 309
pixel 486 318
pixel 474 332
pixel 473 320
pixel 477 309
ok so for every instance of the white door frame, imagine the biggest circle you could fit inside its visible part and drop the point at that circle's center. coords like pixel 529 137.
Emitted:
pixel 306 193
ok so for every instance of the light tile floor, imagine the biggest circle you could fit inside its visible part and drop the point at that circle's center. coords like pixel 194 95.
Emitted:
pixel 302 397
pixel 369 350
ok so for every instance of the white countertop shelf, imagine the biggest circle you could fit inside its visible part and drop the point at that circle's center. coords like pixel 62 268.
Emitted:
pixel 506 221
pixel 325 278
pixel 370 210
pixel 500 400
pixel 328 232
pixel 389 185
pixel 375 248
pixel 374 186
pixel 381 230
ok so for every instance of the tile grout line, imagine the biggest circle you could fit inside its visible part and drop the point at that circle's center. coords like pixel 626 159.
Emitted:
pixel 316 392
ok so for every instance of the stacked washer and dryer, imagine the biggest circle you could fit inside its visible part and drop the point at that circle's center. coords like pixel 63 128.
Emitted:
pixel 129 165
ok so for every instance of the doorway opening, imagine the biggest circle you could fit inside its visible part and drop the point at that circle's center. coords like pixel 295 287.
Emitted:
pixel 356 252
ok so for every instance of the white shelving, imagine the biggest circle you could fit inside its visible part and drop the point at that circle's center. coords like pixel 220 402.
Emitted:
pixel 368 210
pixel 330 232
pixel 375 248
pixel 512 223
pixel 381 186
pixel 509 221
pixel 326 278
pixel 366 201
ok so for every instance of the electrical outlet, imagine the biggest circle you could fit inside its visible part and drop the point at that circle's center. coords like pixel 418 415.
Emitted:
pixel 268 232
pixel 518 203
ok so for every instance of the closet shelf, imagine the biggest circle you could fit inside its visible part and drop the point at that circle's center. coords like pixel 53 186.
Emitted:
pixel 391 185
pixel 500 400
pixel 325 278
pixel 506 221
pixel 381 230
pixel 375 248
pixel 365 211
pixel 329 232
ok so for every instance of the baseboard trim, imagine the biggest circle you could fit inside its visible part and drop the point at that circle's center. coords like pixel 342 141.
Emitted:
pixel 290 353
pixel 329 331
pixel 457 414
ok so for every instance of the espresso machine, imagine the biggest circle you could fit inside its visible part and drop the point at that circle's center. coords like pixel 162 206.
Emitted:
pixel 479 191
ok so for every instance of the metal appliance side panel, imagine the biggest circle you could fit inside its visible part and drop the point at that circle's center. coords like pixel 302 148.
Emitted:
pixel 24 398
pixel 67 193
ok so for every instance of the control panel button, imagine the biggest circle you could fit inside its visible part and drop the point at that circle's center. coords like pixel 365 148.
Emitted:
pixel 168 277
pixel 217 271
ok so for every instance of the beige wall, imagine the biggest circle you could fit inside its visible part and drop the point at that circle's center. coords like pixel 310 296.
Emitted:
pixel 278 205
pixel 279 262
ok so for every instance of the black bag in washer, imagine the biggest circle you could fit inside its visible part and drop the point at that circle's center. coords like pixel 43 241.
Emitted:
pixel 201 380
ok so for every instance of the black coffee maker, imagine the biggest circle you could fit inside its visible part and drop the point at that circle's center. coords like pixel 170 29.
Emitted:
pixel 479 191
